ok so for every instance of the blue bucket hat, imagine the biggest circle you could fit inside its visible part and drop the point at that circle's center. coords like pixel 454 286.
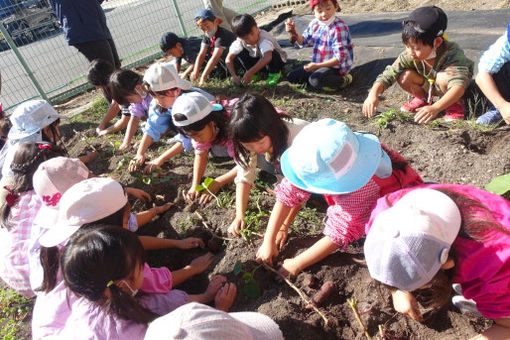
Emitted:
pixel 204 14
pixel 326 157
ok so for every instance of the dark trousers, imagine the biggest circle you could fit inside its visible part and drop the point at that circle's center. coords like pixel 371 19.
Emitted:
pixel 100 49
pixel 318 79
pixel 247 62
pixel 477 100
pixel 502 80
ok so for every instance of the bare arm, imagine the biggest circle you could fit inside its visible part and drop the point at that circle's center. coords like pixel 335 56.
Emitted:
pixel 130 132
pixel 113 110
pixel 230 64
pixel 488 86
pixel 211 64
pixel 198 63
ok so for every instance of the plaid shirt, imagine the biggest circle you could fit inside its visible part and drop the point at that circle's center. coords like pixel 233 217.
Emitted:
pixel 14 241
pixel 333 41
pixel 498 54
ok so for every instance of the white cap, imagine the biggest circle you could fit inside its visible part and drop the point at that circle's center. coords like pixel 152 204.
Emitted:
pixel 195 321
pixel 194 106
pixel 31 117
pixel 85 202
pixel 163 76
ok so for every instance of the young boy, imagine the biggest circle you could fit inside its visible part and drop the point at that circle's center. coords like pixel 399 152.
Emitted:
pixel 493 79
pixel 255 49
pixel 98 75
pixel 181 48
pixel 429 66
pixel 332 49
pixel 214 47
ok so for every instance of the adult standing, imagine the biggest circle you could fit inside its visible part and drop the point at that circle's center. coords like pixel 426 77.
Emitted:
pixel 84 25
pixel 223 13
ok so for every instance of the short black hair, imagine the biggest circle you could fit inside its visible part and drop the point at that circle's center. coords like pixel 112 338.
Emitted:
pixel 99 72
pixel 169 40
pixel 242 24
pixel 409 32
pixel 122 84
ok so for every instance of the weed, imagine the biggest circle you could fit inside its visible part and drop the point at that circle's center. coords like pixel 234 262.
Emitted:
pixel 98 108
pixel 14 308
pixel 251 287
pixel 389 115
pixel 310 216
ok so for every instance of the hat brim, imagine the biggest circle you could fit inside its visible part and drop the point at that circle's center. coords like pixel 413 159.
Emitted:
pixel 46 216
pixel 367 161
pixel 260 326
pixel 14 133
pixel 57 234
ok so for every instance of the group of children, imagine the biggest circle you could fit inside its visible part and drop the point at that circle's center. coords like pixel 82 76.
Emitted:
pixel 69 237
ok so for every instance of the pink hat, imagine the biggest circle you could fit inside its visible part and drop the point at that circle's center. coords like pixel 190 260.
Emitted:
pixel 408 243
pixel 87 201
pixel 195 321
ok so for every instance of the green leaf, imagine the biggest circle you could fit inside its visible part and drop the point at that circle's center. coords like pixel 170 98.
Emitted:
pixel 252 289
pixel 247 277
pixel 117 144
pixel 199 188
pixel 146 180
pixel 238 268
pixel 499 185
pixel 207 182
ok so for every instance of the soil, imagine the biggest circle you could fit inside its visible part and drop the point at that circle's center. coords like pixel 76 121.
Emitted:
pixel 440 152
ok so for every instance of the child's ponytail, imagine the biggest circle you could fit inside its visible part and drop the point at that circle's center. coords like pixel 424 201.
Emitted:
pixel 49 263
pixel 120 254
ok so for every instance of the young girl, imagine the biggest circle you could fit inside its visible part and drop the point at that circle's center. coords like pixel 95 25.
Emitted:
pixel 260 132
pixel 431 236
pixel 351 170
pixel 162 82
pixel 96 201
pixel 107 303
pixel 18 214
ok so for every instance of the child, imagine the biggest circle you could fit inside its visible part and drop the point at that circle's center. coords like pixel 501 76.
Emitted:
pixel 98 201
pixel 431 236
pixel 163 83
pixel 99 76
pixel 126 89
pixel 260 134
pixel 17 215
pixel 351 170
pixel 106 303
pixel 255 49
pixel 493 78
pixel 332 49
pixel 214 47
pixel 181 48
pixel 430 66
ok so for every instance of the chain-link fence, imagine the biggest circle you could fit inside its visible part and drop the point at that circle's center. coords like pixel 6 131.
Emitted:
pixel 42 65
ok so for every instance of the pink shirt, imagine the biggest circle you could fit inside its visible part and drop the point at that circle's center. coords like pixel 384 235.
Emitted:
pixel 14 243
pixel 482 268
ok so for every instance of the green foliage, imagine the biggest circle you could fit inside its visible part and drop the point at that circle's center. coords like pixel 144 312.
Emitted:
pixel 98 108
pixel 251 288
pixel 14 308
pixel 205 184
pixel 158 176
pixel 499 185
pixel 389 115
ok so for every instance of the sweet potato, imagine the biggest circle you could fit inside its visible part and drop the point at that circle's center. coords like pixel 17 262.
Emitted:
pixel 326 290
pixel 213 245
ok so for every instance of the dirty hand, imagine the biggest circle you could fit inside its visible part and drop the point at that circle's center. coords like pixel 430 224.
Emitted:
pixel 237 225
pixel 151 166
pixel 266 252
pixel 191 242
pixel 236 80
pixel 370 105
pixel 405 303
pixel 201 263
pixel 247 78
pixel 214 286
pixel 310 67
pixel 136 162
pixel 426 114
pixel 290 268
pixel 281 237
pixel 191 194
pixel 139 194
pixel 225 296
pixel 163 208
pixel 205 196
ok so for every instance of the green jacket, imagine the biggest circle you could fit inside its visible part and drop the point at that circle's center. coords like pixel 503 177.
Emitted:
pixel 450 59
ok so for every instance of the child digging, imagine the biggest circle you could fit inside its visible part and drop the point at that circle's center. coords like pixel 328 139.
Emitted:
pixel 332 49
pixel 429 66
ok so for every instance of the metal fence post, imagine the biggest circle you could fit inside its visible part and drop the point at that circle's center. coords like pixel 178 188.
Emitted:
pixel 179 17
pixel 30 74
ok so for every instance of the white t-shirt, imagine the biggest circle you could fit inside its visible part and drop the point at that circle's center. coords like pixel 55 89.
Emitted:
pixel 266 43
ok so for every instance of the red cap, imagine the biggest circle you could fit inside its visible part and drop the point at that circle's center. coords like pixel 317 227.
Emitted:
pixel 316 2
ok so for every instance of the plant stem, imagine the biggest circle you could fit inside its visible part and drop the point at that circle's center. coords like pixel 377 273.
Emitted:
pixel 218 203
pixel 300 293
pixel 211 229
pixel 354 306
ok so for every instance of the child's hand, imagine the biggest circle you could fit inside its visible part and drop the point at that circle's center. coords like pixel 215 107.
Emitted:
pixel 139 194
pixel 281 238
pixel 370 105
pixel 205 196
pixel 192 194
pixel 89 157
pixel 136 162
pixel 505 112
pixel 247 78
pixel 426 114
pixel 225 296
pixel 213 288
pixel 290 268
pixel 236 80
pixel 194 75
pixel 266 253
pixel 191 242
pixel 163 208
pixel 290 26
pixel 236 225
pixel 405 303
pixel 201 263
pixel 124 146
pixel 101 132
pixel 100 128
pixel 151 166
pixel 201 83
pixel 310 67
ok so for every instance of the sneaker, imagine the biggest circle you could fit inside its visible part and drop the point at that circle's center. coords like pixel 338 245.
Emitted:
pixel 455 111
pixel 273 78
pixel 347 80
pixel 465 305
pixel 490 117
pixel 413 105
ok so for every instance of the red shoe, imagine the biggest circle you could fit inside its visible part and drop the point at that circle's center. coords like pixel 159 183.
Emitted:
pixel 455 111
pixel 413 105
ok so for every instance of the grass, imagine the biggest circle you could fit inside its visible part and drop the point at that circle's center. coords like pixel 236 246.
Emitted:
pixel 15 308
